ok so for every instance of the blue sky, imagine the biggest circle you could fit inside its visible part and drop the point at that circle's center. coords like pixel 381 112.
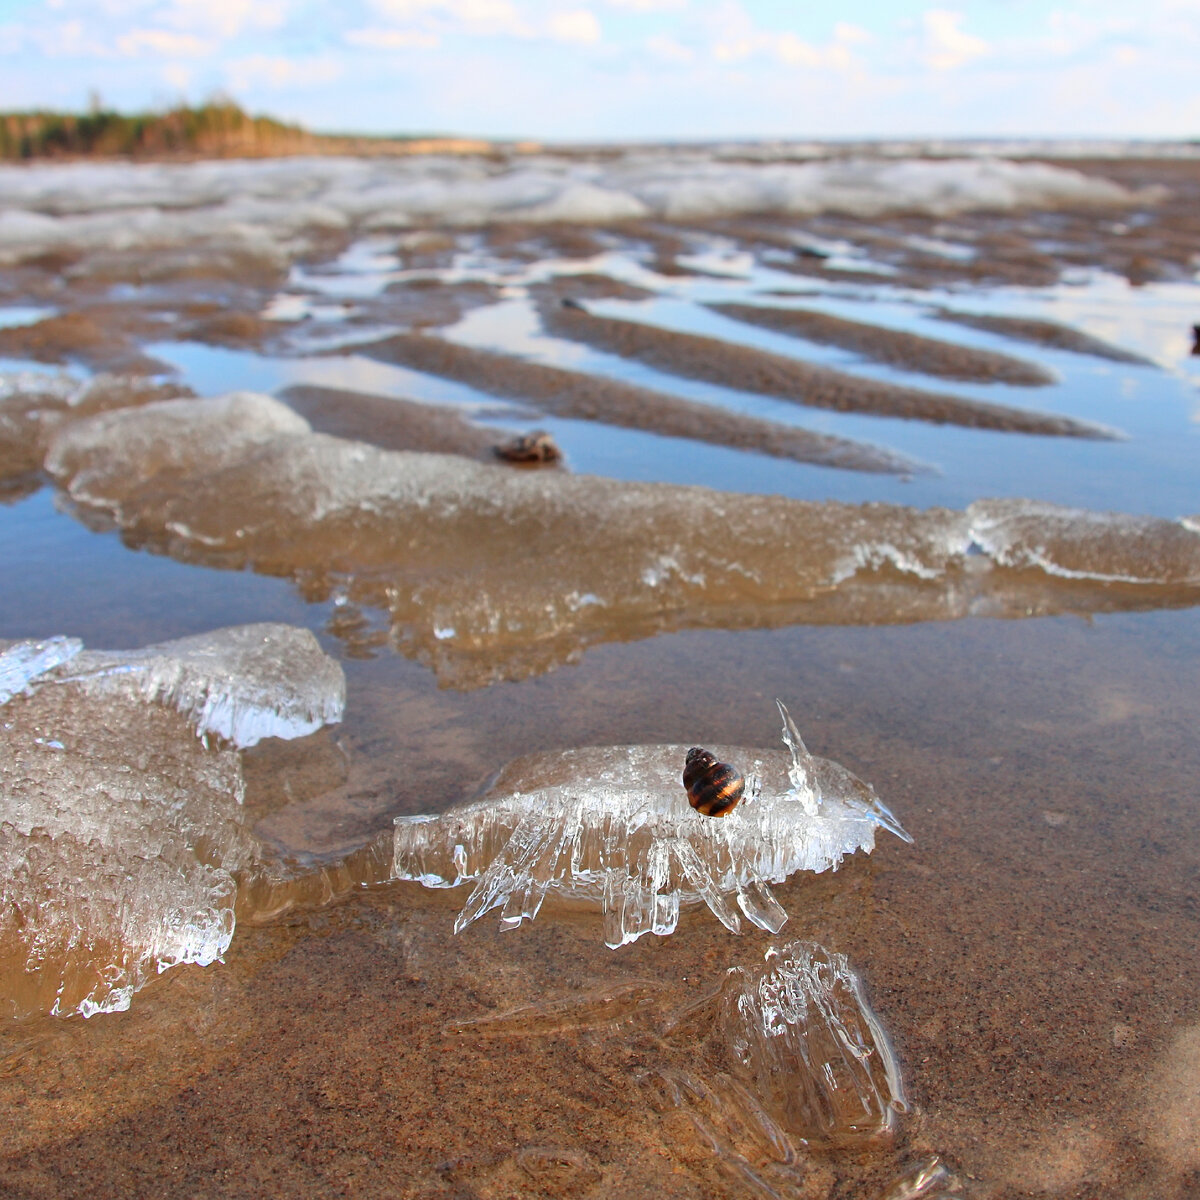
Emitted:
pixel 627 69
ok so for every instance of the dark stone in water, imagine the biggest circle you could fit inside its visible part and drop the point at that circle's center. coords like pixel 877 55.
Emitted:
pixel 535 449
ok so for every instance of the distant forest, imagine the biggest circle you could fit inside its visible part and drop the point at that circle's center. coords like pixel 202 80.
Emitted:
pixel 218 129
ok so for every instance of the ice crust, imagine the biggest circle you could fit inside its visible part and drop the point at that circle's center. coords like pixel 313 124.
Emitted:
pixel 22 662
pixel 612 826
pixel 122 840
pixel 34 404
pixel 487 573
pixel 268 209
pixel 243 684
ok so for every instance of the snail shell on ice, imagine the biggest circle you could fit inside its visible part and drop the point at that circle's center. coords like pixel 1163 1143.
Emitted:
pixel 713 788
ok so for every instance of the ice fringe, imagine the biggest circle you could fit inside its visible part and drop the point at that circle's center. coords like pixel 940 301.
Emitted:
pixel 612 826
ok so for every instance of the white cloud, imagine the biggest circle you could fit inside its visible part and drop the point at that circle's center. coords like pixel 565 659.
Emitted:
pixel 669 50
pixel 177 76
pixel 849 35
pixel 164 43
pixel 650 5
pixel 391 40
pixel 257 71
pixel 478 17
pixel 735 37
pixel 574 25
pixel 222 18
pixel 946 46
pixel 415 22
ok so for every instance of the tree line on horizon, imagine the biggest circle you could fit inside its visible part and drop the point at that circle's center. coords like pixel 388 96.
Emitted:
pixel 218 128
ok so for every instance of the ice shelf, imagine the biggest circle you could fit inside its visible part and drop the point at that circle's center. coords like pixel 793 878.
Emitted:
pixel 487 573
pixel 612 826
pixel 122 835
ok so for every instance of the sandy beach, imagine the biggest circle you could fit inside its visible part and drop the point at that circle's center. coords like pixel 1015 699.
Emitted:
pixel 921 467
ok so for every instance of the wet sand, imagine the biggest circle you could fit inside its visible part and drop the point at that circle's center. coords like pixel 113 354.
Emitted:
pixel 1044 333
pixel 390 423
pixel 901 349
pixel 755 370
pixel 594 398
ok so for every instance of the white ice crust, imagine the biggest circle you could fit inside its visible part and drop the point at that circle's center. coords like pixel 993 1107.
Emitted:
pixel 243 684
pixel 613 826
pixel 22 662
pixel 266 208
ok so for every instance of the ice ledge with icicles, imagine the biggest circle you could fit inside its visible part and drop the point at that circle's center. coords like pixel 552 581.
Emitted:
pixel 613 826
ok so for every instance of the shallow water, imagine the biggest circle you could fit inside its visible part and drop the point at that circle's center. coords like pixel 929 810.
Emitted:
pixel 1031 956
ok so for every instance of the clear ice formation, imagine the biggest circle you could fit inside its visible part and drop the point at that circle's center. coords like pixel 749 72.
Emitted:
pixel 243 684
pixel 792 1060
pixel 805 1042
pixel 23 662
pixel 489 574
pixel 612 826
pixel 122 843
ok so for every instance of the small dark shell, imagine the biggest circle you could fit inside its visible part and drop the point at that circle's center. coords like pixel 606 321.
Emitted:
pixel 530 448
pixel 713 788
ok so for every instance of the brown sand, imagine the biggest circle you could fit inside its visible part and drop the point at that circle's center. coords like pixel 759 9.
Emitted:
pixel 389 422
pixel 1045 333
pixel 909 351
pixel 595 398
pixel 101 339
pixel 1037 975
pixel 751 370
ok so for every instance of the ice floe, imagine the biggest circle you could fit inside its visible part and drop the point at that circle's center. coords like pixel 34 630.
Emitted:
pixel 612 826
pixel 122 835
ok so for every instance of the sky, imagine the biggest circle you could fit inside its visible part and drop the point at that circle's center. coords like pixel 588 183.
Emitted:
pixel 627 70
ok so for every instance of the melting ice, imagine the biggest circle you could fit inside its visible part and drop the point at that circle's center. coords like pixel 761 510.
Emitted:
pixel 121 831
pixel 612 826
pixel 805 1040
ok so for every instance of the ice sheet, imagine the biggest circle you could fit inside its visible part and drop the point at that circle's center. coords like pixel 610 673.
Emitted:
pixel 612 826
pixel 34 404
pixel 487 573
pixel 122 842
pixel 268 209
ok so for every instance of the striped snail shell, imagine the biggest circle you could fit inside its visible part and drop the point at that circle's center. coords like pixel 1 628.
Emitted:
pixel 713 788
